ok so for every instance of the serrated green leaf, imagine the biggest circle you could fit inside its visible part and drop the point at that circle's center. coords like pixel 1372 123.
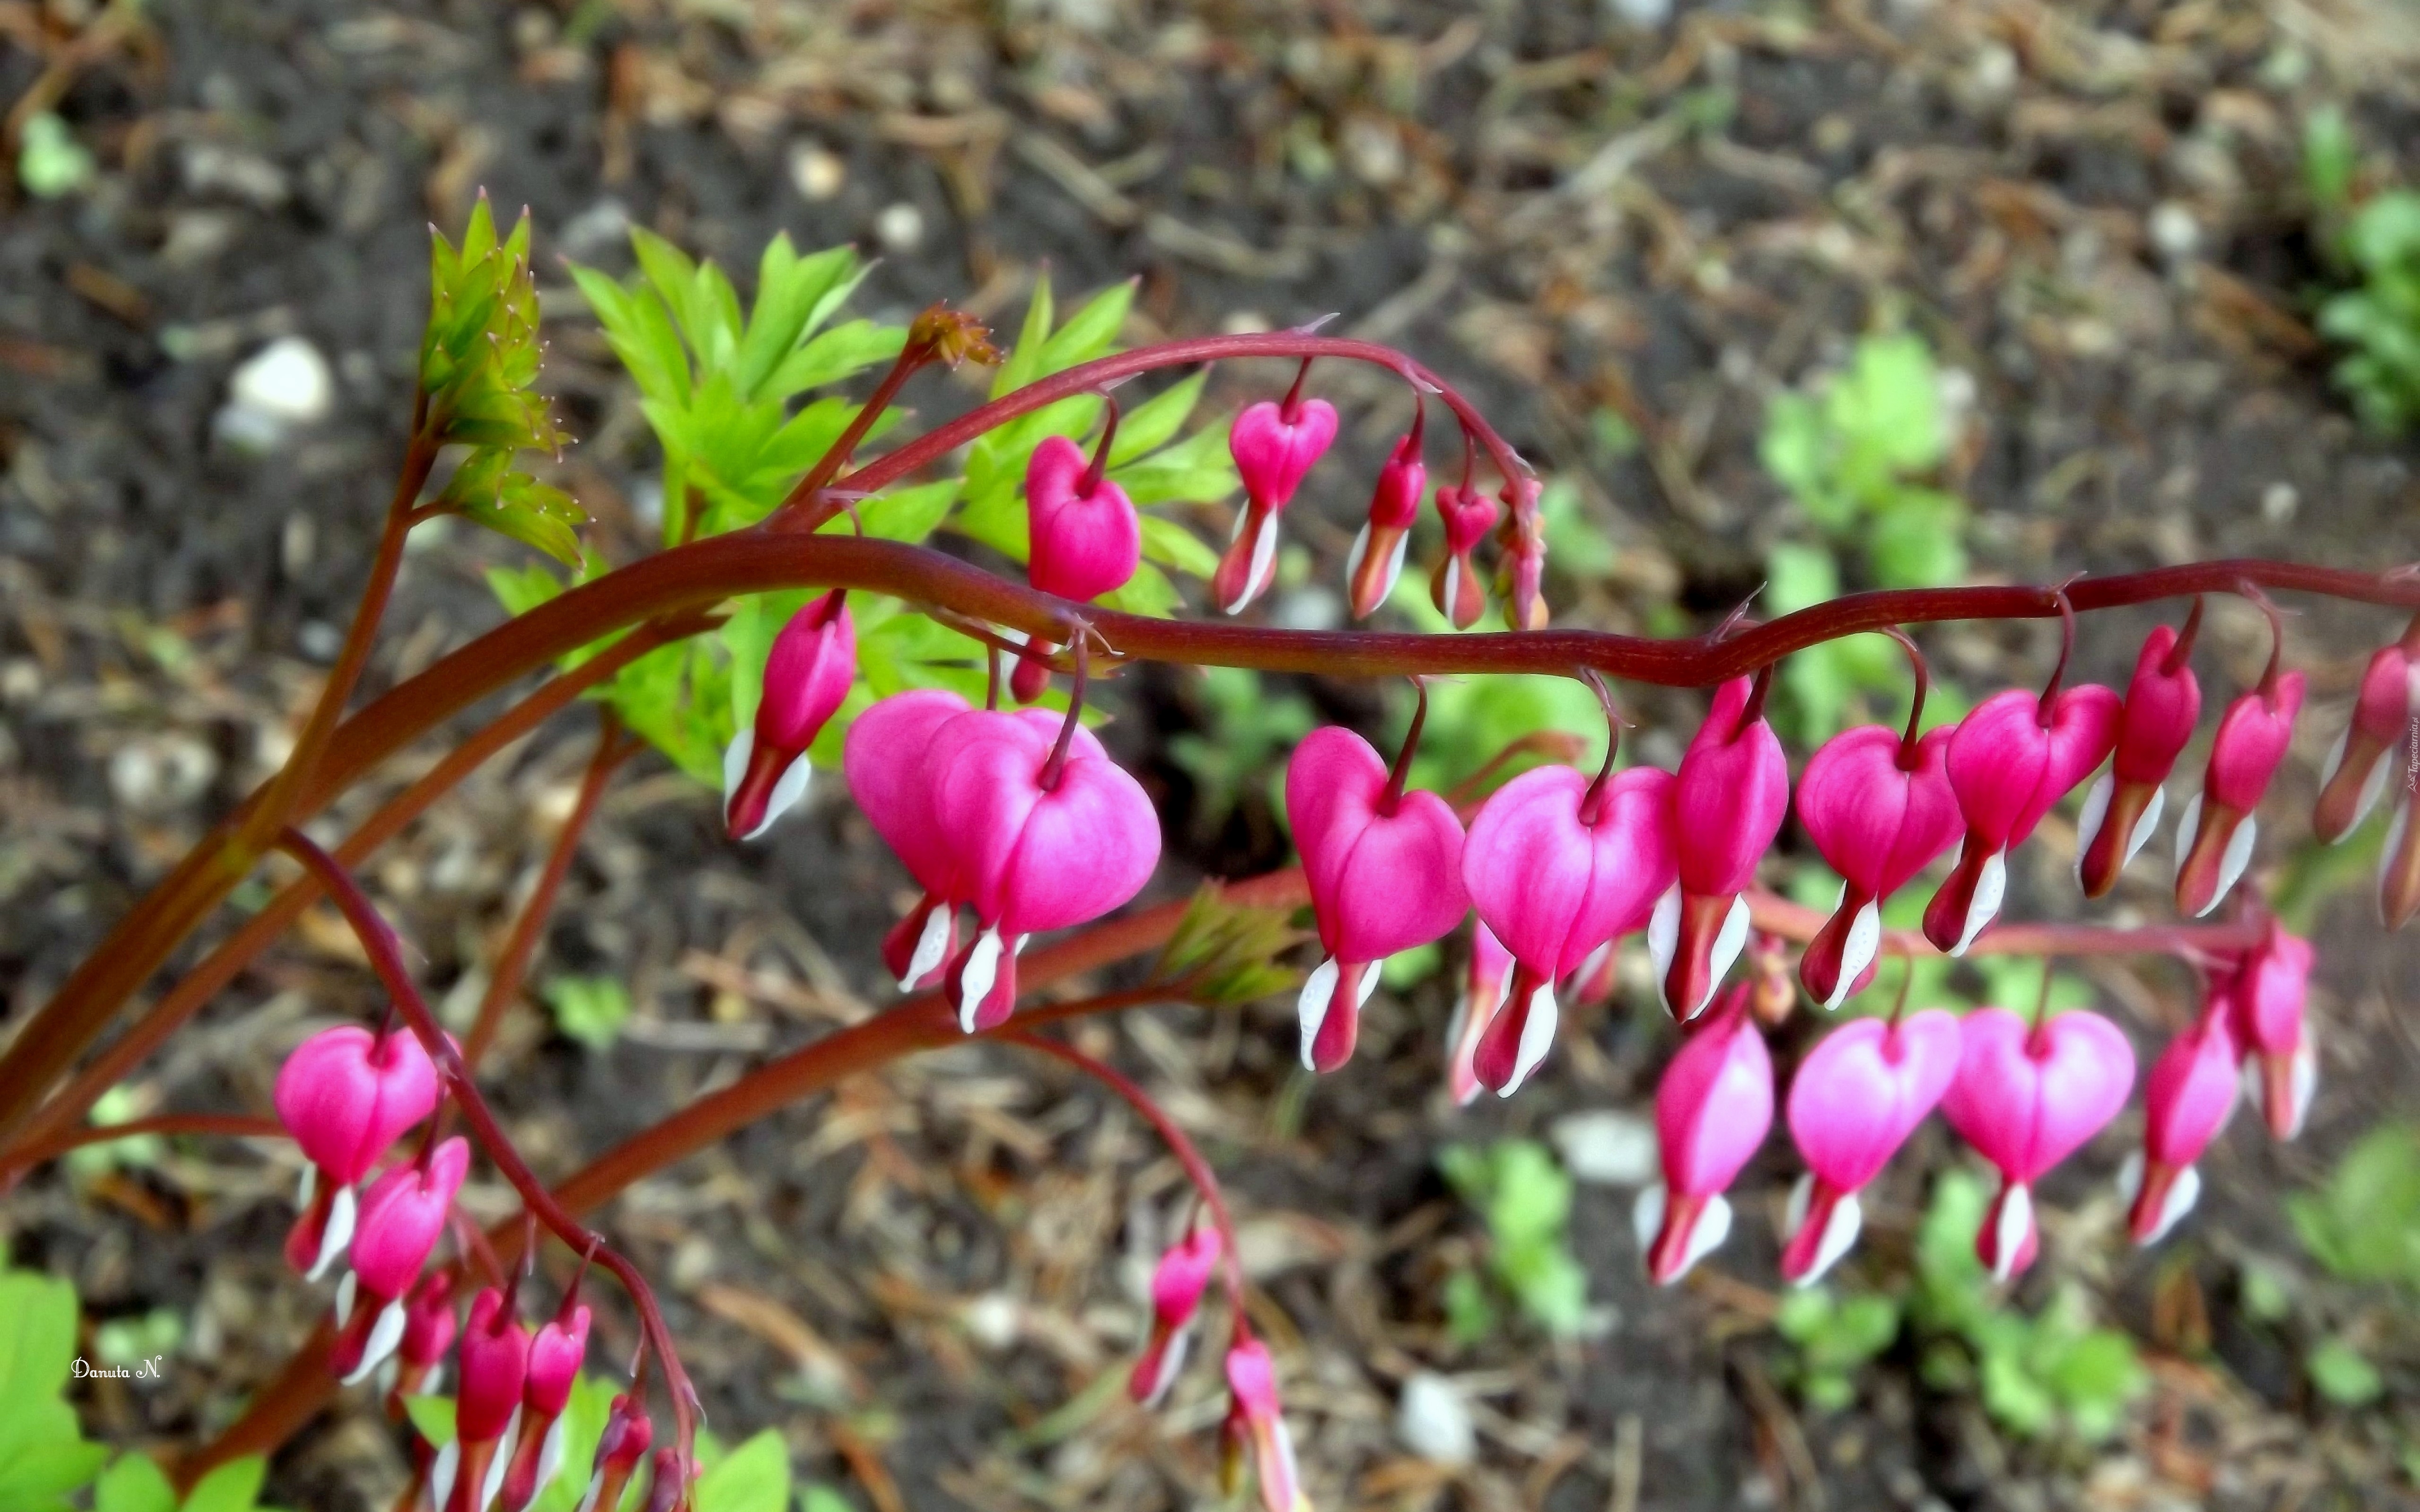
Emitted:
pixel 1090 331
pixel 841 352
pixel 1024 363
pixel 1222 952
pixel 1172 545
pixel 908 514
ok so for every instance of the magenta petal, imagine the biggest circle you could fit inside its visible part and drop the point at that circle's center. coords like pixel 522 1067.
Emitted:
pixel 2028 1097
pixel 345 1094
pixel 1714 1105
pixel 884 760
pixel 1078 546
pixel 2008 770
pixel 1876 825
pixel 1553 889
pixel 2189 1093
pixel 1728 797
pixel 1379 883
pixel 1863 1090
pixel 1273 454
pixel 807 674
pixel 2252 740
pixel 402 1214
pixel 1031 859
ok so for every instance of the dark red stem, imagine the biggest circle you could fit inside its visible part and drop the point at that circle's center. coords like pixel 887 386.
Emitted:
pixel 2174 662
pixel 1091 481
pixel 1393 798
pixel 1753 709
pixel 2065 650
pixel 1907 742
pixel 1592 801
pixel 1290 411
pixel 1057 765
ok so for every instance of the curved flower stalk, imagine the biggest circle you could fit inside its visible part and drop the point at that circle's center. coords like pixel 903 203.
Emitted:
pixel 2027 1096
pixel 807 676
pixel 1854 1102
pixel 1713 1109
pixel 2219 828
pixel 2122 810
pixel 1385 869
pixel 1729 800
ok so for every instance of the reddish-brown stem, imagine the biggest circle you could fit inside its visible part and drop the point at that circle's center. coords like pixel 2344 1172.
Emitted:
pixel 1057 764
pixel 2066 651
pixel 221 964
pixel 1907 758
pixel 231 1125
pixel 1197 1169
pixel 913 357
pixel 512 963
pixel 1758 692
pixel 1393 798
pixel 2174 662
pixel 1592 801
pixel 1099 468
pixel 2277 618
pixel 385 952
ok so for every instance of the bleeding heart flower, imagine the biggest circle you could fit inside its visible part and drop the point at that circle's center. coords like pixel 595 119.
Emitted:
pixel 2012 758
pixel 470 1471
pixel 1044 831
pixel 1176 1287
pixel 1713 1109
pixel 402 1215
pixel 2029 1096
pixel 807 676
pixel 1384 867
pixel 1729 800
pixel 1455 588
pixel 2357 769
pixel 2186 1101
pixel 2122 810
pixel 428 1328
pixel 1256 1430
pixel 1557 865
pixel 1084 537
pixel 1378 556
pixel 1879 808
pixel 346 1094
pixel 884 761
pixel 555 1356
pixel 1856 1099
pixel 2271 990
pixel 1274 446
pixel 2215 837
pixel 1521 567
pixel 1484 982
pixel 620 1449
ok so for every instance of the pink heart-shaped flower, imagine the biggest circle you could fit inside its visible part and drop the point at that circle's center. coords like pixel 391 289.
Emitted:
pixel 2029 1096
pixel 1078 545
pixel 345 1094
pixel 1033 858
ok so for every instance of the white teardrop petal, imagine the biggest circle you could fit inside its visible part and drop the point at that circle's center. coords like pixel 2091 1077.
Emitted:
pixel 2182 1194
pixel 976 977
pixel 1857 953
pixel 1991 887
pixel 2188 830
pixel 1647 1216
pixel 343 1212
pixel 1353 558
pixel 1706 1235
pixel 1318 991
pixel 2016 1226
pixel 345 1291
pixel 2145 826
pixel 931 945
pixel 787 789
pixel 1839 1234
pixel 384 1335
pixel 1537 1037
pixel 441 1474
pixel 2130 1177
pixel 2088 823
pixel 735 761
pixel 550 1453
pixel 2238 856
pixel 1664 938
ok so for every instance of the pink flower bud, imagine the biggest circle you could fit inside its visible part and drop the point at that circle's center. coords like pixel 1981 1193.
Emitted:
pixel 620 1449
pixel 1456 588
pixel 555 1355
pixel 807 676
pixel 495 1369
pixel 1522 569
pixel 1879 813
pixel 2028 1097
pixel 1256 1427
pixel 1030 856
pixel 1557 866
pixel 1484 982
pixel 2270 990
pixel 669 1483
pixel 1378 556
pixel 2122 810
pixel 883 761
pixel 402 1215
pixel 1176 1287
pixel 1274 447
pixel 1084 537
pixel 2357 770
pixel 1728 803
pixel 2186 1101
pixel 1384 867
pixel 1713 1109
pixel 1856 1099
pixel 345 1094
pixel 2012 759
pixel 428 1329
pixel 2215 837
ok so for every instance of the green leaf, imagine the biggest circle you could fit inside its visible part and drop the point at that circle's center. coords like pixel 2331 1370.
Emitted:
pixel 37 1328
pixel 1090 331
pixel 1226 953
pixel 234 1486
pixel 589 1009
pixel 1166 542
pixel 2330 160
pixel 1155 422
pixel 838 353
pixel 520 590
pixel 1915 539
pixel 1148 592
pixel 1024 363
pixel 134 1483
pixel 1888 404
pixel 908 514
pixel 432 1418
pixel 754 1477
pixel 2342 1375
pixel 818 1497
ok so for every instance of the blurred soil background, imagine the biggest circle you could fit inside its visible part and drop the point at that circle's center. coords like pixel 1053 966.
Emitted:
pixel 1631 235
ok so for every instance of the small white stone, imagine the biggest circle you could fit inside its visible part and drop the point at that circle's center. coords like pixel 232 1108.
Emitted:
pixel 991 1319
pixel 161 772
pixel 286 381
pixel 2279 501
pixel 816 172
pixel 597 229
pixel 1606 1147
pixel 900 227
pixel 2174 230
pixel 1643 13
pixel 1432 1420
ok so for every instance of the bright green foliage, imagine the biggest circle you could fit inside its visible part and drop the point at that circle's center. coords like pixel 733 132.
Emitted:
pixel 1525 1198
pixel 117 1105
pixel 479 373
pixel 1858 679
pixel 43 1455
pixel 590 1010
pixel 2038 1374
pixel 125 1343
pixel 754 1477
pixel 1849 457
pixel 2365 1223
pixel 1147 459
pixel 1226 953
pixel 2339 1373
pixel 1243 731
pixel 2378 319
pixel 816 1497
pixel 1834 1336
pixel 51 163
pixel 135 1484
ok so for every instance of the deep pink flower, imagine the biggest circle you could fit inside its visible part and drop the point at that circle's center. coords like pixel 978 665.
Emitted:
pixel 1256 1430
pixel 1455 587
pixel 1039 840
pixel 1176 1286
pixel 1521 567
pixel 1384 867
pixel 345 1094
pixel 1084 537
pixel 469 1471
pixel 2122 810
pixel 2012 758
pixel 1729 800
pixel 1378 556
pixel 2215 837
pixel 555 1356
pixel 2358 768
pixel 428 1329
pixel 620 1449
pixel 1484 982
pixel 1557 865
pixel 2027 1096
pixel 807 676
pixel 2186 1101
pixel 1879 813
pixel 2270 992
pixel 1274 446
pixel 1856 1099
pixel 884 763
pixel 1713 1109
pixel 402 1215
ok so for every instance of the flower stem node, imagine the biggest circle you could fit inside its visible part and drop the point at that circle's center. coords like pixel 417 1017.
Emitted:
pixel 1713 1109
pixel 2027 1096
pixel 807 676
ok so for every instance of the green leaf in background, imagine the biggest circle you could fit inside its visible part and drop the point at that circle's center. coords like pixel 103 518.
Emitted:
pixel 43 1455
pixel 234 1486
pixel 754 1477
pixel 134 1484
pixel 589 1009
pixel 51 163
pixel 2364 1225
pixel 2340 1374
pixel 1526 1198
pixel 1242 732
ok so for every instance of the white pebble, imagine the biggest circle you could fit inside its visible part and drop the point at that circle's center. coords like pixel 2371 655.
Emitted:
pixel 2174 230
pixel 287 383
pixel 1432 1420
pixel 1606 1147
pixel 161 772
pixel 816 172
pixel 2279 501
pixel 991 1319
pixel 900 227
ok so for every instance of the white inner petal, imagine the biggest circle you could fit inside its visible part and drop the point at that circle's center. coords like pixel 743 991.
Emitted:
pixel 1802 1196
pixel 2307 1083
pixel 976 977
pixel 1172 1363
pixel 1840 1232
pixel 2088 823
pixel 343 1212
pixel 2016 1225
pixel 1647 1217
pixel 2371 789
pixel 1706 1235
pixel 2238 856
pixel 735 761
pixel 1990 888
pixel 931 945
pixel 788 790
pixel 2130 1176
pixel 2146 825
pixel 1265 551
pixel 2182 1194
pixel 384 1335
pixel 549 1455
pixel 1857 951
pixel 1664 938
pixel 1537 1037
pixel 2188 830
pixel 1728 942
pixel 499 1464
pixel 344 1293
pixel 441 1474
pixel 1452 584
pixel 1318 991
pixel 1353 558
pixel 1395 566
pixel 309 1186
